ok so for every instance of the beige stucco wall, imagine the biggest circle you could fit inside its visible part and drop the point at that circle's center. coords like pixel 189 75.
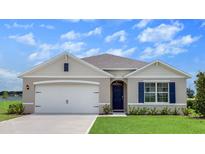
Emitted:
pixel 105 95
pixel 180 84
pixel 29 95
pixel 56 67
pixel 119 73
pixel 157 70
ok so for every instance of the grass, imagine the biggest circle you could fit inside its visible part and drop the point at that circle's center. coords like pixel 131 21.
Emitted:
pixel 3 110
pixel 148 125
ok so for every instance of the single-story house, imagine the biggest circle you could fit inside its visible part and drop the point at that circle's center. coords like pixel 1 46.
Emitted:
pixel 67 84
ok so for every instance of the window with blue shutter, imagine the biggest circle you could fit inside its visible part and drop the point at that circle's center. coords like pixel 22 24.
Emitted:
pixel 66 67
pixel 141 92
pixel 172 92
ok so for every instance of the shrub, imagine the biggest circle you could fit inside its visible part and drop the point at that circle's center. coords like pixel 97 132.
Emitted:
pixel 175 111
pixel 185 111
pixel 106 109
pixel 200 95
pixel 165 111
pixel 143 111
pixel 192 113
pixel 15 109
pixel 153 111
pixel 191 103
pixel 134 110
pixel 5 95
pixel 138 111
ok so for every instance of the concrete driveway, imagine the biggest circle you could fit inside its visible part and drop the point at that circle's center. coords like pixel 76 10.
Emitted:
pixel 48 124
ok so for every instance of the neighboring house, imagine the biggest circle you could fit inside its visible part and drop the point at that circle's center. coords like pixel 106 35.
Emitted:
pixel 67 84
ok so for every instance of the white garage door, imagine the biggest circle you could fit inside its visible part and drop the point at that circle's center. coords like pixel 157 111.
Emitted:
pixel 66 98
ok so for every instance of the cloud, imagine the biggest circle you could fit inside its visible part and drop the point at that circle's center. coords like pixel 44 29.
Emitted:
pixel 25 39
pixel 9 80
pixel 90 52
pixel 73 47
pixel 142 23
pixel 96 31
pixel 78 20
pixel 202 24
pixel 16 25
pixel 121 52
pixel 117 36
pixel 71 35
pixel 47 26
pixel 171 48
pixel 163 32
pixel 7 74
pixel 43 52
pixel 72 20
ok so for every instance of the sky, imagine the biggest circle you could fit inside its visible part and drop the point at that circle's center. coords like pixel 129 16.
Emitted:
pixel 26 43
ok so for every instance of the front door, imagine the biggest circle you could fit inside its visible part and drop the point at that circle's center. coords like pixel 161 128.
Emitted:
pixel 117 96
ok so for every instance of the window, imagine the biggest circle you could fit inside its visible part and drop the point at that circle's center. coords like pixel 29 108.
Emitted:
pixel 150 92
pixel 162 92
pixel 156 92
pixel 66 67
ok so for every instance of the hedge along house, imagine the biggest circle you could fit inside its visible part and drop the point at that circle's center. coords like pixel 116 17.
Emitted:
pixel 67 84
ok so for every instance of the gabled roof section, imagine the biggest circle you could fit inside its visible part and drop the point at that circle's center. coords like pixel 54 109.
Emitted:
pixel 157 62
pixel 50 61
pixel 109 61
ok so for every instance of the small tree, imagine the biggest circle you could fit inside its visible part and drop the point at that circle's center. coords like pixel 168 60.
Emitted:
pixel 200 93
pixel 190 93
pixel 5 95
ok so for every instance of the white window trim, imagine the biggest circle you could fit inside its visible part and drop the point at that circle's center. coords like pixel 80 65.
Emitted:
pixel 156 92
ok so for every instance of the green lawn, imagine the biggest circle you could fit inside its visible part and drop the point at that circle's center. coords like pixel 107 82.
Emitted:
pixel 148 125
pixel 3 110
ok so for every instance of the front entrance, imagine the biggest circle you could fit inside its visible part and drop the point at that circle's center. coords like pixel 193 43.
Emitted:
pixel 118 96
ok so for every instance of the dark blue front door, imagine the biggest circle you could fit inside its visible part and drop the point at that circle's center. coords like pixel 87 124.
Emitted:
pixel 117 99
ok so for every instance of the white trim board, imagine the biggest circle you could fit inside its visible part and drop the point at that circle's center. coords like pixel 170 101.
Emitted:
pixel 119 69
pixel 65 77
pixel 115 77
pixel 160 77
pixel 66 81
pixel 153 104
pixel 156 80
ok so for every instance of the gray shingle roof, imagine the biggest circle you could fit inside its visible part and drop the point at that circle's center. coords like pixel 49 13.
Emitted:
pixel 111 61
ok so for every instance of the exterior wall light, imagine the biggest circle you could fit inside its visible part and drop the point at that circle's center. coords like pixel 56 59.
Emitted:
pixel 27 87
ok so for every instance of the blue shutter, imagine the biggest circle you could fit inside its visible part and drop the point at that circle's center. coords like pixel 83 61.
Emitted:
pixel 172 92
pixel 66 67
pixel 141 92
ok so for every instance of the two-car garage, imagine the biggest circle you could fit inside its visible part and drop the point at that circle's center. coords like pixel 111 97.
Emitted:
pixel 67 97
